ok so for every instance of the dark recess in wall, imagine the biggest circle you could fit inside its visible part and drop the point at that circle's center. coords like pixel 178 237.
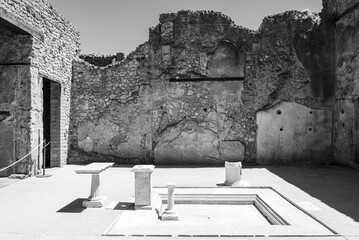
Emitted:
pixel 316 51
pixel 47 118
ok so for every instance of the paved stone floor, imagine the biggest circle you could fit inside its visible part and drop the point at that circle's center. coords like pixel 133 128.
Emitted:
pixel 50 208
pixel 4 181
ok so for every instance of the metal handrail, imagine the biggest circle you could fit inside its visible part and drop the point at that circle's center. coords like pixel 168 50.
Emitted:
pixel 5 168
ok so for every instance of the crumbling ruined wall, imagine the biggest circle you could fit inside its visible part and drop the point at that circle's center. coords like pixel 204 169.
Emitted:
pixel 105 108
pixel 301 134
pixel 334 8
pixel 48 44
pixel 15 100
pixel 284 78
pixel 191 94
pixel 102 60
pixel 345 16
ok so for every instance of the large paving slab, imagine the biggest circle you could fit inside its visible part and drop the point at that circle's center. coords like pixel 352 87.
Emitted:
pixel 50 208
pixel 246 211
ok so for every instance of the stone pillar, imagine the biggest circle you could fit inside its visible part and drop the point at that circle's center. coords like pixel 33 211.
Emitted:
pixel 170 196
pixel 95 193
pixel 143 186
pixel 170 213
pixel 95 200
pixel 233 173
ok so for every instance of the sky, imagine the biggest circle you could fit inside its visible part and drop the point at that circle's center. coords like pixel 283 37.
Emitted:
pixel 112 26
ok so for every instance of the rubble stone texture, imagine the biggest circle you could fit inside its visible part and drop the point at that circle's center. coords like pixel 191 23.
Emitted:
pixel 150 108
pixel 201 90
pixel 102 60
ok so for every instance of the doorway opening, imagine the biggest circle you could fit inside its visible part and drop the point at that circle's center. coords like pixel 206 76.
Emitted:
pixel 51 121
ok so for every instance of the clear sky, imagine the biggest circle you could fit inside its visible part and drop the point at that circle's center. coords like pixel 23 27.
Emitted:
pixel 111 26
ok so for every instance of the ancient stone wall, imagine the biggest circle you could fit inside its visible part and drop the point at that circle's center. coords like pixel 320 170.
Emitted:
pixel 15 95
pixel 293 74
pixel 346 113
pixel 15 105
pixel 190 94
pixel 200 91
pixel 102 60
pixel 49 53
pixel 302 134
pixel 336 8
pixel 15 48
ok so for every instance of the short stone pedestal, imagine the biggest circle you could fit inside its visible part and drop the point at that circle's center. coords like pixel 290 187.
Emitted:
pixel 233 173
pixel 95 200
pixel 170 212
pixel 143 186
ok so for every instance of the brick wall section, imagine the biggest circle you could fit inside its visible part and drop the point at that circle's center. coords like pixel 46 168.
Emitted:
pixel 51 57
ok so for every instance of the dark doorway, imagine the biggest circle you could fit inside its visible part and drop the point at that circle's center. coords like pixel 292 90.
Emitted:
pixel 47 118
pixel 51 121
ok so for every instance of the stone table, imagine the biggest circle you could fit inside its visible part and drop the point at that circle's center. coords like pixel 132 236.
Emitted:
pixel 95 199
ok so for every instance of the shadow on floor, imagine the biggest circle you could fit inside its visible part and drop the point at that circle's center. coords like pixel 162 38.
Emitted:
pixel 336 186
pixel 73 207
pixel 125 206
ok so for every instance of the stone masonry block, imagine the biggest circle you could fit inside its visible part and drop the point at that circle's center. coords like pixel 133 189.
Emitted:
pixel 167 33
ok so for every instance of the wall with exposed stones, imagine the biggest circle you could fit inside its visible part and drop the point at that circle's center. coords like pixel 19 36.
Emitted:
pixel 345 16
pixel 15 105
pixel 190 94
pixel 41 44
pixel 15 47
pixel 201 90
pixel 14 95
pixel 102 60
pixel 336 8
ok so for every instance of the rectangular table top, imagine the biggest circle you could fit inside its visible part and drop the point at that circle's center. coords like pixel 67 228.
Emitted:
pixel 143 168
pixel 94 168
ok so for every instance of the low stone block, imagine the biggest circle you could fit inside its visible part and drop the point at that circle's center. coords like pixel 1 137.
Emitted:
pixel 143 186
pixel 233 173
pixel 94 203
pixel 170 216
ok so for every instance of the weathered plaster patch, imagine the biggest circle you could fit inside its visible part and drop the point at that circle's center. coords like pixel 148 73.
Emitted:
pixel 290 132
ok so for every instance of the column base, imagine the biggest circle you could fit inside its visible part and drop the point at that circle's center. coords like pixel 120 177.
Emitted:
pixel 171 215
pixel 233 184
pixel 94 203
pixel 143 207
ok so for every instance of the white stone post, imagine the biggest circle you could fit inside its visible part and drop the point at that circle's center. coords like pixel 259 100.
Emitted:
pixel 233 173
pixel 143 186
pixel 170 213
